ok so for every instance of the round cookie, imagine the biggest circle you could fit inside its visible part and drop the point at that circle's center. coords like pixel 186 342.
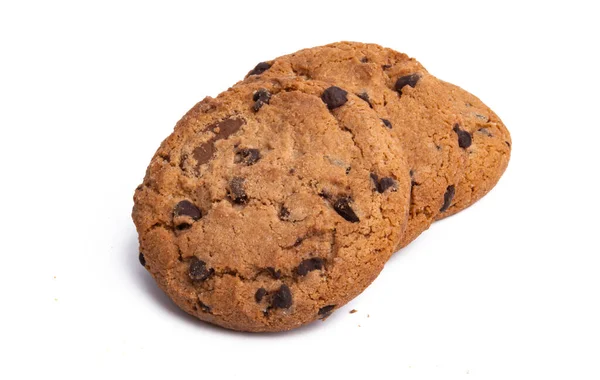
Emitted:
pixel 407 99
pixel 272 205
pixel 485 139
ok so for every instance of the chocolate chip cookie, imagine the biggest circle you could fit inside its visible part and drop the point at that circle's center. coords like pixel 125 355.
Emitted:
pixel 448 163
pixel 486 141
pixel 272 204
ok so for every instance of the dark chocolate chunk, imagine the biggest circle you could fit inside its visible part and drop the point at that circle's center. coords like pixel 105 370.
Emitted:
pixel 222 130
pixel 226 128
pixel 237 193
pixel 276 274
pixel 260 97
pixel 142 259
pixel 383 184
pixel 348 169
pixel 448 198
pixel 342 207
pixel 187 208
pixel 385 67
pixel 247 156
pixel 284 213
pixel 282 298
pixel 198 270
pixel 308 265
pixel 334 97
pixel 204 307
pixel 507 143
pixel 364 96
pixel 260 68
pixel 204 152
pixel 407 80
pixel 464 137
pixel 364 59
pixel 326 310
pixel 183 226
pixel 387 123
pixel 260 293
pixel 387 183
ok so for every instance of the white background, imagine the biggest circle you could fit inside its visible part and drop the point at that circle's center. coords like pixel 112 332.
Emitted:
pixel 506 289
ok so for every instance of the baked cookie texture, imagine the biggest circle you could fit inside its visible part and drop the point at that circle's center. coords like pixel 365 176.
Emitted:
pixel 272 204
pixel 488 152
pixel 456 148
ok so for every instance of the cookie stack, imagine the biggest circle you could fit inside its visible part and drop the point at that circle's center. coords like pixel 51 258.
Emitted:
pixel 280 200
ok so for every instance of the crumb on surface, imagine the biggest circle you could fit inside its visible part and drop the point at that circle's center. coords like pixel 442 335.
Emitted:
pixel 353 311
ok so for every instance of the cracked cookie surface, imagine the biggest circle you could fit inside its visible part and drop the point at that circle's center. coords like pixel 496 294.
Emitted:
pixel 449 168
pixel 272 205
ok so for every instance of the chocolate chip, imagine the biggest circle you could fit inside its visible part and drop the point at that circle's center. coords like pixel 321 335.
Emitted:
pixel 187 208
pixel 348 170
pixel 342 207
pixel 387 183
pixel 448 198
pixel 464 137
pixel 364 96
pixel 260 68
pixel 284 214
pixel 260 293
pixel 260 97
pixel 326 310
pixel 226 128
pixel 507 143
pixel 247 156
pixel 198 270
pixel 142 259
pixel 282 299
pixel 407 80
pixel 385 67
pixel 276 274
pixel 387 123
pixel 334 97
pixel 381 185
pixel 364 59
pixel 309 265
pixel 237 193
pixel 205 308
pixel 183 226
pixel 222 130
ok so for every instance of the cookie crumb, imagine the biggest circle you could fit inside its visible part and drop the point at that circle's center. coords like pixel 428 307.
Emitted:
pixel 353 311
pixel 368 315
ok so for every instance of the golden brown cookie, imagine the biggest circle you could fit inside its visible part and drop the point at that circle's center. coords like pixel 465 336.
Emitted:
pixel 486 141
pixel 272 204
pixel 448 166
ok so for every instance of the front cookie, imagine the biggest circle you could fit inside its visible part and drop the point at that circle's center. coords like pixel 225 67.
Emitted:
pixel 272 205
